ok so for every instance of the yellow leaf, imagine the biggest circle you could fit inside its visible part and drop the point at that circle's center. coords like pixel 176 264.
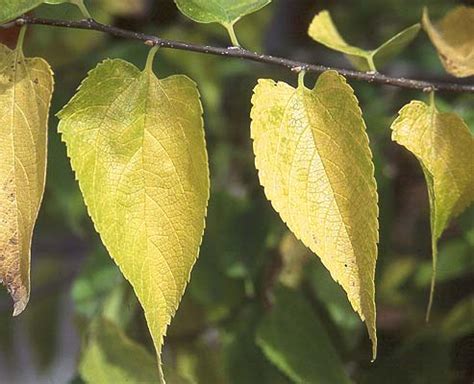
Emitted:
pixel 26 86
pixel 444 146
pixel 137 147
pixel 314 162
pixel 453 38
pixel 323 30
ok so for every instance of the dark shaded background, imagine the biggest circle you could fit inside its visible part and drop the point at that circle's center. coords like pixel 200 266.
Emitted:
pixel 247 251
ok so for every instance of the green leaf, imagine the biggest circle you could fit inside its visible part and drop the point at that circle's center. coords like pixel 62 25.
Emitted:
pixel 26 86
pixel 13 9
pixel 323 30
pixel 314 162
pixel 225 12
pixel 453 38
pixel 245 362
pixel 79 3
pixel 111 357
pixel 443 145
pixel 219 11
pixel 137 147
pixel 293 338
pixel 10 10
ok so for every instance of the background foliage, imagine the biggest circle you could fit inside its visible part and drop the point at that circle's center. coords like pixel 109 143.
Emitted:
pixel 259 307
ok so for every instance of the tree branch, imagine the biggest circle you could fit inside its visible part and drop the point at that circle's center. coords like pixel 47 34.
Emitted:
pixel 371 77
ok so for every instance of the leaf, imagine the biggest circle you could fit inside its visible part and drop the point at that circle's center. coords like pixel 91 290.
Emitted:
pixel 241 351
pixel 323 30
pixel 296 341
pixel 26 86
pixel 314 162
pixel 219 11
pixel 111 357
pixel 225 12
pixel 443 145
pixel 136 144
pixel 453 38
pixel 10 10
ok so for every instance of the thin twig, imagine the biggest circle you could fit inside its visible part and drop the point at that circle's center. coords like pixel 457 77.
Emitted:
pixel 236 52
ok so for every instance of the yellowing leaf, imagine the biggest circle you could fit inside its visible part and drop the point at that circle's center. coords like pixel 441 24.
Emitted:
pixel 137 147
pixel 444 146
pixel 453 38
pixel 26 86
pixel 323 30
pixel 314 162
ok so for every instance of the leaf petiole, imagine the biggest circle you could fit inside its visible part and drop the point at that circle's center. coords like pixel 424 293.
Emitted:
pixel 21 38
pixel 150 58
pixel 80 4
pixel 301 75
pixel 232 35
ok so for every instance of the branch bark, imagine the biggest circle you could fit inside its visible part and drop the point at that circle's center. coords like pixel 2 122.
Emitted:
pixel 235 52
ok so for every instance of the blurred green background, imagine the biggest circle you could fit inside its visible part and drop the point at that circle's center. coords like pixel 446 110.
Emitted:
pixel 259 308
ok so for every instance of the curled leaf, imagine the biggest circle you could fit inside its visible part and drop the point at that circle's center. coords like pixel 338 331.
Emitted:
pixel 137 147
pixel 314 162
pixel 26 86
pixel 444 146
pixel 453 38
pixel 323 30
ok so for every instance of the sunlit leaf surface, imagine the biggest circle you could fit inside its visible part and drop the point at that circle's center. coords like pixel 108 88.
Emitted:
pixel 323 30
pixel 314 162
pixel 444 146
pixel 137 147
pixel 453 38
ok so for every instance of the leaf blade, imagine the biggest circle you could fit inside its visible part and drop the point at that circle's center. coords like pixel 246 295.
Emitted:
pixel 443 145
pixel 12 9
pixel 225 12
pixel 393 46
pixel 323 30
pixel 26 86
pixel 111 357
pixel 303 146
pixel 453 38
pixel 297 343
pixel 148 189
